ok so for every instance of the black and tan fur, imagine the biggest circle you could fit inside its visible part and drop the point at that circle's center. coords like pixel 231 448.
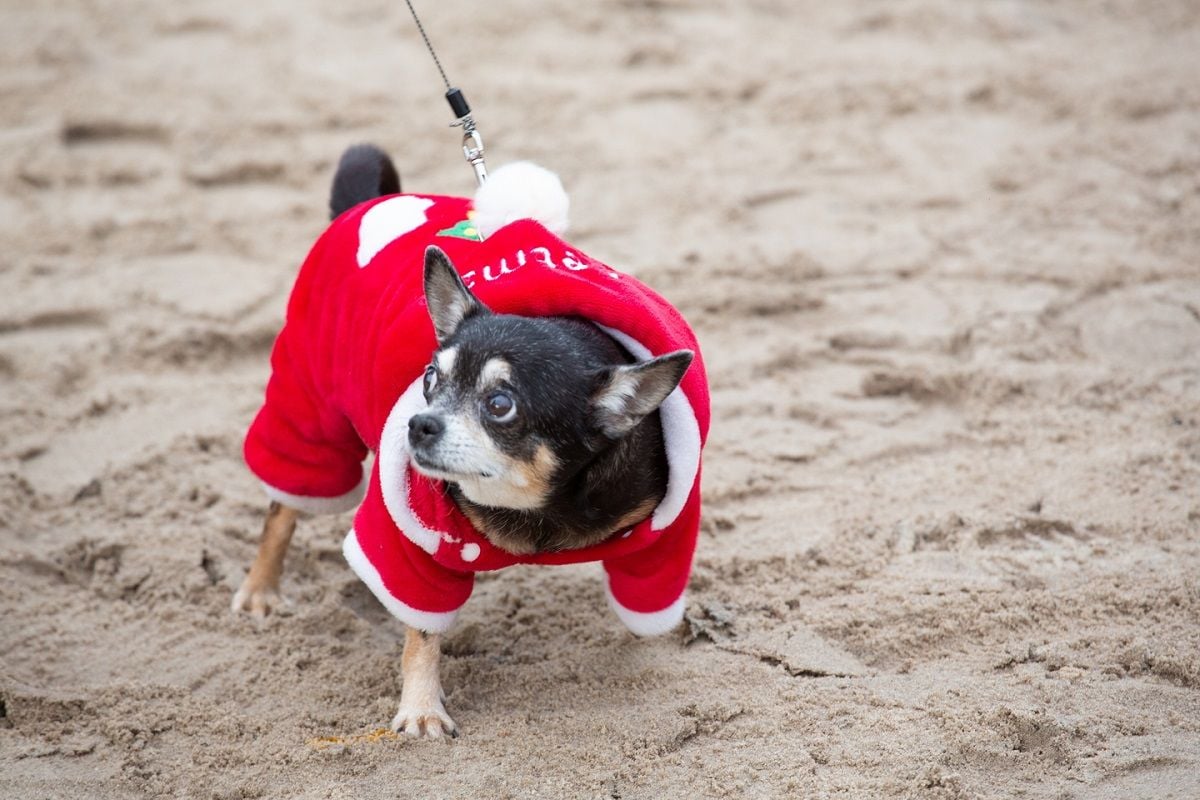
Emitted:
pixel 586 437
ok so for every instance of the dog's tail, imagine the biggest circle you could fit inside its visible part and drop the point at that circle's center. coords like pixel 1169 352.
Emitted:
pixel 364 173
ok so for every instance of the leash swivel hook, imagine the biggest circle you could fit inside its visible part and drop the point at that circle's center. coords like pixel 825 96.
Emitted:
pixel 472 141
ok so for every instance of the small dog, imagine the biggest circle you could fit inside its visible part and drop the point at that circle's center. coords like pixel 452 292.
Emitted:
pixel 546 436
pixel 525 439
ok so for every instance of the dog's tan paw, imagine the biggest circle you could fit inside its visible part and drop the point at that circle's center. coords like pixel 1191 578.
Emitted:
pixel 258 600
pixel 431 722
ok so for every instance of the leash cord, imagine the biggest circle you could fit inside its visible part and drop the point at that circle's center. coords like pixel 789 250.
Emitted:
pixel 421 28
pixel 472 141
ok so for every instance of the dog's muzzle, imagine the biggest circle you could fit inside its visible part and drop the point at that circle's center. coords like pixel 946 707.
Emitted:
pixel 424 430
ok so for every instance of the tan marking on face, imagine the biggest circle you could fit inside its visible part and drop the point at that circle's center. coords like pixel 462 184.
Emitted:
pixel 536 473
pixel 518 484
pixel 494 372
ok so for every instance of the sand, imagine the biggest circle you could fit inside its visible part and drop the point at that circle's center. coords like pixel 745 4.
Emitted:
pixel 944 259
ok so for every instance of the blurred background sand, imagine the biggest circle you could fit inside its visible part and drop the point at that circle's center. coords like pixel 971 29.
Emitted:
pixel 944 259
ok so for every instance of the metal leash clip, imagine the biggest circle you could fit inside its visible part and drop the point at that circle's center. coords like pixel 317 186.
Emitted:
pixel 472 141
pixel 473 151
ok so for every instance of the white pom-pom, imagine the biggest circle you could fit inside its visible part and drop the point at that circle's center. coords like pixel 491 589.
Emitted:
pixel 521 190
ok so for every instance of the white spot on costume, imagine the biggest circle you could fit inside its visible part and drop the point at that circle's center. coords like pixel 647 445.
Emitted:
pixel 387 221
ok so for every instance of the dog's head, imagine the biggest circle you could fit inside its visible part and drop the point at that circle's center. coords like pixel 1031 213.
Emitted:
pixel 519 405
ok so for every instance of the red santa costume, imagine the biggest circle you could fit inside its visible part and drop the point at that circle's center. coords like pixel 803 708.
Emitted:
pixel 347 373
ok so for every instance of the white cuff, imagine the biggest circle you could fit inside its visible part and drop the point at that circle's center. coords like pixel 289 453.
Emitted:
pixel 318 505
pixel 428 621
pixel 653 623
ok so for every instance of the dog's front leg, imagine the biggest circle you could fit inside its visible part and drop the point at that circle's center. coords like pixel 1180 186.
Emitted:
pixel 259 592
pixel 421 711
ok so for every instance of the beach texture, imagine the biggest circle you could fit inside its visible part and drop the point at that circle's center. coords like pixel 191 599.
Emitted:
pixel 944 261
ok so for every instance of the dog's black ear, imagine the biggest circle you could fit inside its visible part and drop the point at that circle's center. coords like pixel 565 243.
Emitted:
pixel 629 392
pixel 448 298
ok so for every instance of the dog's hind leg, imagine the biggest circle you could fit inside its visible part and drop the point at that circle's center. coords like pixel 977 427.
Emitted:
pixel 422 713
pixel 259 592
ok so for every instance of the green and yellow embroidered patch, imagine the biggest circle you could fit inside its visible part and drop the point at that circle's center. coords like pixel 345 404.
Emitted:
pixel 463 230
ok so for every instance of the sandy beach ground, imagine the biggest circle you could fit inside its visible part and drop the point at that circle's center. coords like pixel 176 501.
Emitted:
pixel 944 260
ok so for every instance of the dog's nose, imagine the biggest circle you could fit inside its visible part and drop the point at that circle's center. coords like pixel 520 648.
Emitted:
pixel 424 429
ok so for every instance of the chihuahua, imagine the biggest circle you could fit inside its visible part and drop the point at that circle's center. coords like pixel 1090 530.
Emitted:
pixel 544 432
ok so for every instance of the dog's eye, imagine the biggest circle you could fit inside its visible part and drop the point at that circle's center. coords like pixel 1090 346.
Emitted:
pixel 430 379
pixel 500 406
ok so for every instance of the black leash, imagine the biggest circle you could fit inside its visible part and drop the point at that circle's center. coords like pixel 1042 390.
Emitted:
pixel 472 141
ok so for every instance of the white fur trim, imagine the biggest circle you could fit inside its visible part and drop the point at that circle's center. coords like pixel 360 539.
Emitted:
pixel 393 467
pixel 385 222
pixel 521 190
pixel 654 623
pixel 428 621
pixel 318 505
pixel 681 438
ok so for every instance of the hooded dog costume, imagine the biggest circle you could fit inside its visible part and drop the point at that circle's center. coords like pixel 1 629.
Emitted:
pixel 347 373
